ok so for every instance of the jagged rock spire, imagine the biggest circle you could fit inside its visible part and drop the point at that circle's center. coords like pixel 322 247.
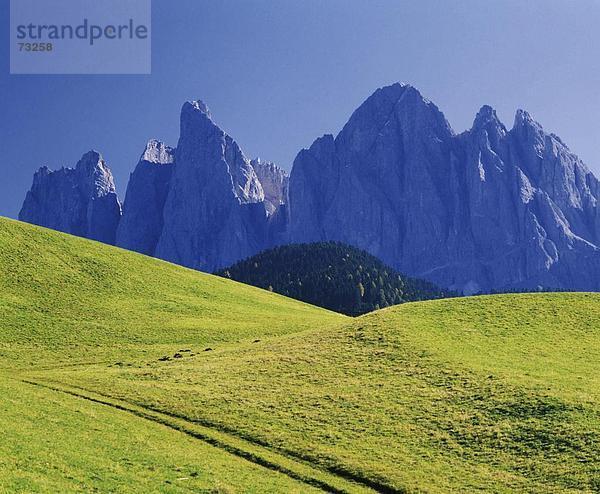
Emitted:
pixel 489 209
pixel 81 200
pixel 142 222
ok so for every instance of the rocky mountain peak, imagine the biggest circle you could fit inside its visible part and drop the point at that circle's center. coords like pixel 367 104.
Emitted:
pixel 405 105
pixel 274 181
pixel 194 114
pixel 487 128
pixel 214 212
pixel 195 123
pixel 487 119
pixel 90 158
pixel 523 117
pixel 527 129
pixel 157 152
pixel 395 113
pixel 80 200
pixel 213 154
pixel 39 174
pixel 200 106
pixel 147 190
pixel 489 209
pixel 93 171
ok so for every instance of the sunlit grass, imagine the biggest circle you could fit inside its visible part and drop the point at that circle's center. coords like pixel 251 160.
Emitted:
pixel 497 393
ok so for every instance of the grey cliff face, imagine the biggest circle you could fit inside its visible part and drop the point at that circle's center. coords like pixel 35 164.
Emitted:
pixel 274 181
pixel 142 221
pixel 489 209
pixel 214 213
pixel 81 201
pixel 381 184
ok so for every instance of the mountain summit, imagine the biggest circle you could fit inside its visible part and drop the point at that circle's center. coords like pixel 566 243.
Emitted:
pixel 142 221
pixel 81 200
pixel 215 211
pixel 487 209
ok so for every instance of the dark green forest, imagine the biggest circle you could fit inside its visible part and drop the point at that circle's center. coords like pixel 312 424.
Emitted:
pixel 331 275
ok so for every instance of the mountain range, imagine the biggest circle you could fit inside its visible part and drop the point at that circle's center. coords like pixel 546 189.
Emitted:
pixel 488 209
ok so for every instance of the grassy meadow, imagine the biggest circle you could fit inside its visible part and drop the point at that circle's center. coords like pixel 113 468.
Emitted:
pixel 53 442
pixel 66 300
pixel 107 384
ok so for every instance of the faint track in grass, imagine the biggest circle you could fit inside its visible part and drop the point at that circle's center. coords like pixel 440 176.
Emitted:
pixel 328 480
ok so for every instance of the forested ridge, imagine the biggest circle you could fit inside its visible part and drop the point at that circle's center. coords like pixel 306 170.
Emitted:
pixel 331 275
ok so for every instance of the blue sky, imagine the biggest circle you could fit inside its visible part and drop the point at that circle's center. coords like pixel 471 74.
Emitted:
pixel 278 74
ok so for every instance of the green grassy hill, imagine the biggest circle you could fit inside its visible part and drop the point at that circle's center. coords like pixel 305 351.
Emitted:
pixel 64 299
pixel 492 394
pixel 500 393
pixel 66 302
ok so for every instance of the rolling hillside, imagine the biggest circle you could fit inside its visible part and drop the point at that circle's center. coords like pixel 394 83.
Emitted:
pixel 496 393
pixel 63 298
pixel 67 302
